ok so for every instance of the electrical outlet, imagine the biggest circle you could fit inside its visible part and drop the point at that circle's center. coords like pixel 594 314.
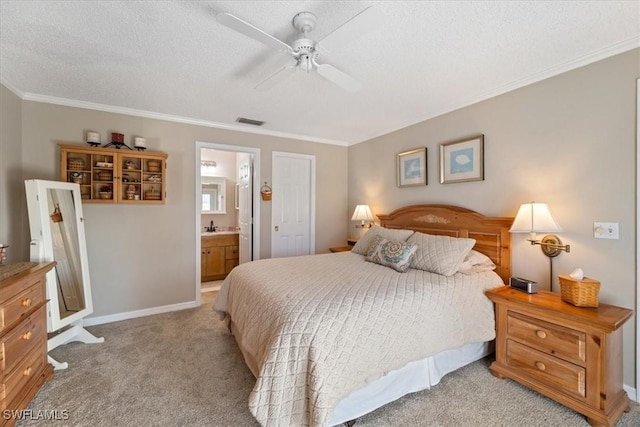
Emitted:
pixel 605 230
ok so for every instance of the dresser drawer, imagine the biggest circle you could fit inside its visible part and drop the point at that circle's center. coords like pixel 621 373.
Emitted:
pixel 22 339
pixel 26 372
pixel 16 307
pixel 231 252
pixel 562 376
pixel 553 339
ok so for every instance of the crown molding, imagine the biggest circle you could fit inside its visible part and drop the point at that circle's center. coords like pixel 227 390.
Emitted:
pixel 168 117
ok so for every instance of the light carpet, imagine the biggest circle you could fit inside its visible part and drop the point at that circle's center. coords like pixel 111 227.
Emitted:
pixel 185 369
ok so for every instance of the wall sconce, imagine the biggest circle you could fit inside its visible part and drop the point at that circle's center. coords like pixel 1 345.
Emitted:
pixel 362 214
pixel 535 218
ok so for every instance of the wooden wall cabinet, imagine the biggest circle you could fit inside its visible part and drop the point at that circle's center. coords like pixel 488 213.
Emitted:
pixel 219 254
pixel 23 338
pixel 110 175
pixel 570 354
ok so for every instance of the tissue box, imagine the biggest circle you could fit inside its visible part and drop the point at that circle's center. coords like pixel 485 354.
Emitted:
pixel 581 293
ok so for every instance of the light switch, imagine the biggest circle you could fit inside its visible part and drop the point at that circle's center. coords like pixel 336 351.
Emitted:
pixel 605 230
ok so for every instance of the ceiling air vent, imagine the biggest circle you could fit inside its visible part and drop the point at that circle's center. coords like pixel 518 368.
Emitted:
pixel 249 121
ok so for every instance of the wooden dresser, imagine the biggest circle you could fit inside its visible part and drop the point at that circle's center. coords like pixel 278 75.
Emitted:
pixel 23 337
pixel 570 354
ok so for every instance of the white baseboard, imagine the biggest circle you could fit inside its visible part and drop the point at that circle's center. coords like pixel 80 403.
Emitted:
pixel 99 320
pixel 631 392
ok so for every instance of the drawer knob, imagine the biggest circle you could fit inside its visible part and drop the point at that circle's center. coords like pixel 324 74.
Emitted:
pixel 541 334
pixel 26 302
pixel 541 366
pixel 26 336
pixel 27 372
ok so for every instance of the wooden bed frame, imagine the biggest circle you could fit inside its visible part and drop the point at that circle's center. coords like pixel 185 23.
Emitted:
pixel 491 234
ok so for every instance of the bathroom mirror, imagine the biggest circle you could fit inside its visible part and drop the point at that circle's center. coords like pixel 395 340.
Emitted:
pixel 214 199
pixel 57 234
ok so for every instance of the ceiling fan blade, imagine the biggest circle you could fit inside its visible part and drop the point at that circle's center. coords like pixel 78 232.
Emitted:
pixel 365 21
pixel 338 77
pixel 277 77
pixel 237 24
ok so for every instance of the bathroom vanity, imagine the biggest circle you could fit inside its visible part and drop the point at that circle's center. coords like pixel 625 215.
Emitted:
pixel 219 254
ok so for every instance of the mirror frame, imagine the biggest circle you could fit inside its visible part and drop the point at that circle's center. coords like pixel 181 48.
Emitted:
pixel 41 247
pixel 222 197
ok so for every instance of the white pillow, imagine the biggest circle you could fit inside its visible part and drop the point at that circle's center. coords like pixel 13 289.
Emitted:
pixel 439 254
pixel 362 246
pixel 476 262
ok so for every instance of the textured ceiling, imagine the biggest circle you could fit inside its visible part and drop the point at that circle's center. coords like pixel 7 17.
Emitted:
pixel 174 60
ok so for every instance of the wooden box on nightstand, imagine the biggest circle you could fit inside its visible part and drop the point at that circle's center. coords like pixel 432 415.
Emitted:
pixel 570 354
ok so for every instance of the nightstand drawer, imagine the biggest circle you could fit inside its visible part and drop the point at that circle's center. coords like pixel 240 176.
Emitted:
pixel 562 376
pixel 553 339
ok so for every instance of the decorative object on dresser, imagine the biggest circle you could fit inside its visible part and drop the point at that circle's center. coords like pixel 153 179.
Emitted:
pixel 462 160
pixel 411 168
pixel 23 336
pixel 56 223
pixel 535 218
pixel 570 354
pixel 363 214
pixel 106 175
pixel 219 255
pixel 3 252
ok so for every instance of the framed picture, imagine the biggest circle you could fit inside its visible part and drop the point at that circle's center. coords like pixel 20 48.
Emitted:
pixel 412 168
pixel 462 160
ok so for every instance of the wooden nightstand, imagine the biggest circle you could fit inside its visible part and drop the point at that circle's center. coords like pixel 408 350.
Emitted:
pixel 341 249
pixel 570 354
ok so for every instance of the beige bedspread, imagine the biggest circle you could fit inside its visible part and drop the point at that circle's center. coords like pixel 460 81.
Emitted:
pixel 322 326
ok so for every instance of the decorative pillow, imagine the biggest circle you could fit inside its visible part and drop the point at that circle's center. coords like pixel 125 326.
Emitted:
pixel 396 255
pixel 439 254
pixel 476 262
pixel 362 246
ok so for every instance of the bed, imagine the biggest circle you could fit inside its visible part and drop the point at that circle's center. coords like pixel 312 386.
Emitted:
pixel 331 337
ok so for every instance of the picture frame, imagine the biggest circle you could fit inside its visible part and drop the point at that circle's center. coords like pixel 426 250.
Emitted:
pixel 462 160
pixel 412 168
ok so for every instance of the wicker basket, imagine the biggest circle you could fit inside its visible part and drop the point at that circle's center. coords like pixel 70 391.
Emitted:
pixel 105 176
pixel 581 293
pixel 106 195
pixel 153 166
pixel 75 164
pixel 152 195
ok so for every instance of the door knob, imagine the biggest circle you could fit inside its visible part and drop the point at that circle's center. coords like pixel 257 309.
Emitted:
pixel 277 228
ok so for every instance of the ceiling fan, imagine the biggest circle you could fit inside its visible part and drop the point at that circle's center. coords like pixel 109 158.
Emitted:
pixel 305 51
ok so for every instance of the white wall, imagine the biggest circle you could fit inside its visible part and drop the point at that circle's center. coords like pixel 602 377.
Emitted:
pixel 568 141
pixel 12 198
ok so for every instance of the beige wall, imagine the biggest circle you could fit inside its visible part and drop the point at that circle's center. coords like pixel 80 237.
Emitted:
pixel 568 141
pixel 144 256
pixel 12 199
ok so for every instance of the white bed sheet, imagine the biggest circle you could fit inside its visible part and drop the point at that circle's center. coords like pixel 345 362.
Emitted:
pixel 415 376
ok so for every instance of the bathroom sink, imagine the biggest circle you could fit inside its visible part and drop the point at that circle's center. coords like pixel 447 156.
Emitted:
pixel 218 233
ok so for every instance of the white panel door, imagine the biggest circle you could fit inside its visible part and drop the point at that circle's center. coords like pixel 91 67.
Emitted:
pixel 245 210
pixel 292 216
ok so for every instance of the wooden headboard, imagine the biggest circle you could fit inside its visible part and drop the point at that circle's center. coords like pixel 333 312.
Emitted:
pixel 491 234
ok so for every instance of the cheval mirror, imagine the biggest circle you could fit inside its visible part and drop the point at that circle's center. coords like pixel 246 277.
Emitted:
pixel 57 234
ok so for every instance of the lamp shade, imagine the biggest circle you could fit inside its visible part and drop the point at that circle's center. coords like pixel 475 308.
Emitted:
pixel 362 213
pixel 534 218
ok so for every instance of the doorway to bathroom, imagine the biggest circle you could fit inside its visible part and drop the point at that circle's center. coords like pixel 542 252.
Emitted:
pixel 227 211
